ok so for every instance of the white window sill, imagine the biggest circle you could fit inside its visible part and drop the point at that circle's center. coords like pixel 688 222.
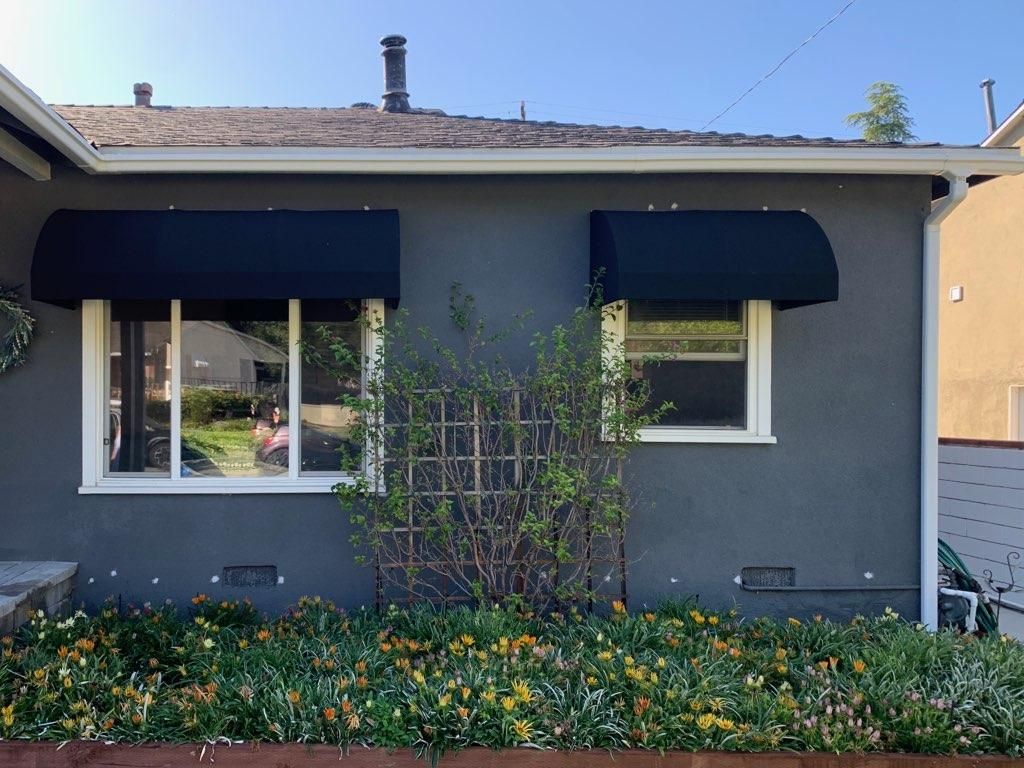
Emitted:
pixel 673 435
pixel 193 485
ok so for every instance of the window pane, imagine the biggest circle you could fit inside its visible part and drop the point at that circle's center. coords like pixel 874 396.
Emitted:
pixel 685 318
pixel 704 393
pixel 327 444
pixel 234 388
pixel 139 417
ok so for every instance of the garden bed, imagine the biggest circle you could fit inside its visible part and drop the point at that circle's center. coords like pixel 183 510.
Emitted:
pixel 706 687
pixel 91 755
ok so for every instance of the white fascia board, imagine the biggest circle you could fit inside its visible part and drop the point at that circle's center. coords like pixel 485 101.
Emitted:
pixel 21 102
pixel 853 160
pixel 23 158
pixel 1001 135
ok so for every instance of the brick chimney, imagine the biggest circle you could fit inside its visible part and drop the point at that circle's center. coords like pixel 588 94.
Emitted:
pixel 143 94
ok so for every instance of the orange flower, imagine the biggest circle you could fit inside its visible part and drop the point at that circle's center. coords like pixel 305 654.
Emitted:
pixel 294 697
pixel 642 705
pixel 263 634
pixel 859 666
pixel 346 706
pixel 329 714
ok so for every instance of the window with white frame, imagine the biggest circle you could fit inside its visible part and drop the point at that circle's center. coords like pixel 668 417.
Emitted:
pixel 710 359
pixel 216 396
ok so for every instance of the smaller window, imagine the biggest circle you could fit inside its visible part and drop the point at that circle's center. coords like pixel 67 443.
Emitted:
pixel 710 359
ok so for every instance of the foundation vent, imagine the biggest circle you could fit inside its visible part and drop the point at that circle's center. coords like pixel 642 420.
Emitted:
pixel 768 576
pixel 249 576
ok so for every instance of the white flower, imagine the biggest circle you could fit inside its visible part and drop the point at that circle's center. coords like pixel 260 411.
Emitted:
pixel 214 579
pixel 207 643
pixel 41 613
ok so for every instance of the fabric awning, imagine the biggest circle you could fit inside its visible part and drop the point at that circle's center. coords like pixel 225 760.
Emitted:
pixel 217 255
pixel 779 255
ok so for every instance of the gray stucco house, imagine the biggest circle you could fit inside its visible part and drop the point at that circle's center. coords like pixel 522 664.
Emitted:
pixel 172 257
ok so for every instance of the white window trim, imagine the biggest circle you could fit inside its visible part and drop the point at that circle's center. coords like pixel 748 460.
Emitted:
pixel 94 392
pixel 759 383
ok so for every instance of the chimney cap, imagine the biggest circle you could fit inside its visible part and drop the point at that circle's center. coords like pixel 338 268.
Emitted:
pixel 393 41
pixel 988 81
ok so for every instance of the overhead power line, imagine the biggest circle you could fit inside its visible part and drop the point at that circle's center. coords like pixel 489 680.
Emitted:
pixel 778 66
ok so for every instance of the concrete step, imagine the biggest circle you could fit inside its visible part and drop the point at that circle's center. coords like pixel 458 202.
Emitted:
pixel 27 586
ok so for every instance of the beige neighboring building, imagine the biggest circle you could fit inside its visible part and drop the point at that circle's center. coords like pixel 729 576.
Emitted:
pixel 981 310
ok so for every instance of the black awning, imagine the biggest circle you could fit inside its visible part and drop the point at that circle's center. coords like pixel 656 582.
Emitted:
pixel 779 255
pixel 217 255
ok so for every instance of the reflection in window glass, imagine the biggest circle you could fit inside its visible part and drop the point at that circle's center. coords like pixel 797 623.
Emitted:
pixel 234 388
pixel 327 444
pixel 693 354
pixel 139 388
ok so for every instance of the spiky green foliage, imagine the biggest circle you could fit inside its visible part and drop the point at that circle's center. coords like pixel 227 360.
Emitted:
pixel 887 119
pixel 674 678
pixel 18 334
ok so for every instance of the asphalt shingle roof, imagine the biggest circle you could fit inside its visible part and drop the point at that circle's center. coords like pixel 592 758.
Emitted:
pixel 355 127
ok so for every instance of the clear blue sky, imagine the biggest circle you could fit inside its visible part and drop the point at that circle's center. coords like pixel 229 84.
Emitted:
pixel 659 64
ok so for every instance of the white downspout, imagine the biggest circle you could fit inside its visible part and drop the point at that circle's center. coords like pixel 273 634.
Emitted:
pixel 930 399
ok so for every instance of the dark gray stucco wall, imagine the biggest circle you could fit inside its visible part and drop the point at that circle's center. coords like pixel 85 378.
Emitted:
pixel 836 498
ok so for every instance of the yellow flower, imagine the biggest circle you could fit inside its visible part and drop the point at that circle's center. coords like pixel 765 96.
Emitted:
pixel 780 654
pixel 724 723
pixel 8 715
pixel 467 640
pixel 661 663
pixel 781 669
pixel 481 655
pixel 591 680
pixel 713 621
pixel 466 693
pixel 697 616
pixel 859 666
pixel 418 677
pixel 508 703
pixel 705 721
pixel 444 701
pixel 717 704
pixel 67 682
pixel 243 644
pixel 488 696
pixel 294 697
pixel 618 607
pixel 696 705
pixel 522 729
pixel 605 655
pixel 628 661
pixel 793 622
pixel 522 691
pixel 649 618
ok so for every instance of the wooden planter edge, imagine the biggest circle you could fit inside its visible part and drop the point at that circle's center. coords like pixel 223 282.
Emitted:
pixel 83 754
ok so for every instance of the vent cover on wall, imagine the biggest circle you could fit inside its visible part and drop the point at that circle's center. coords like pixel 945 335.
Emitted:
pixel 249 576
pixel 768 576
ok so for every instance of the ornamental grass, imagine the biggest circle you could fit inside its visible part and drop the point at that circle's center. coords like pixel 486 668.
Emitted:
pixel 675 678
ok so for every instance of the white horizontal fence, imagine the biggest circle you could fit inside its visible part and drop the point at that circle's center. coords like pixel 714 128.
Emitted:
pixel 981 508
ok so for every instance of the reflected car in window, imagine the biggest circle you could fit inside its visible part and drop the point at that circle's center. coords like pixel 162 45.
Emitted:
pixel 322 451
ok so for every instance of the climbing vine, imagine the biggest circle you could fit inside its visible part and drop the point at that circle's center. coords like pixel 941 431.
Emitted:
pixel 15 341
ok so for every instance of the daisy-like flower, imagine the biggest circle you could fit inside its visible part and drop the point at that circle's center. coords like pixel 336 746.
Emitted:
pixel 706 721
pixel 508 703
pixel 294 696
pixel 330 713
pixel 523 729
pixel 859 666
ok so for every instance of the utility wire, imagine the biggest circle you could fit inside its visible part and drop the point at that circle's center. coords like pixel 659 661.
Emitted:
pixel 778 66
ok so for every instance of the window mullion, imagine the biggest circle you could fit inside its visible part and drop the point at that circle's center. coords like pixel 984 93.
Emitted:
pixel 175 390
pixel 294 388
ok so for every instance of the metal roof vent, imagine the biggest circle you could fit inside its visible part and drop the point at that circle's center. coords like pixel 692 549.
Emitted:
pixel 396 97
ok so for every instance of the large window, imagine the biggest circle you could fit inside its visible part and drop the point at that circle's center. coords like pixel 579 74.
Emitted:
pixel 217 396
pixel 710 359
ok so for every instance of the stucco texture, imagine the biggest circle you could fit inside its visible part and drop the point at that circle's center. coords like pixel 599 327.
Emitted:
pixel 981 338
pixel 836 498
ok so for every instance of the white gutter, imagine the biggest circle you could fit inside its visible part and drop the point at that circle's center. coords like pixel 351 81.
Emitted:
pixel 930 399
pixel 1003 135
